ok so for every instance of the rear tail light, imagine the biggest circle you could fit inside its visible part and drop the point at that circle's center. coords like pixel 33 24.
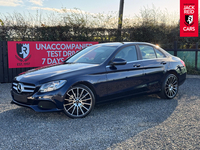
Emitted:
pixel 183 63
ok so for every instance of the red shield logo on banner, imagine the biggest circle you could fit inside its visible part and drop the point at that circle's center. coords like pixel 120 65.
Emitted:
pixel 23 50
pixel 189 19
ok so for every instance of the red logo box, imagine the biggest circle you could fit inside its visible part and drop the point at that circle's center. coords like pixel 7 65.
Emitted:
pixel 189 18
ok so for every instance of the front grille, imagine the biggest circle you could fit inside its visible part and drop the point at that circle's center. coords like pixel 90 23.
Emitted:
pixel 23 88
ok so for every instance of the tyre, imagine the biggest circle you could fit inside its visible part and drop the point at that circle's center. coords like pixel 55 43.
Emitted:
pixel 169 87
pixel 79 101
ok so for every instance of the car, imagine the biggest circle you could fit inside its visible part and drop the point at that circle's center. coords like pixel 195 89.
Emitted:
pixel 97 74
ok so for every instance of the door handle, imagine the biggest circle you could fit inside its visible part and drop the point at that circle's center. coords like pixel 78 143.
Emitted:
pixel 163 62
pixel 136 65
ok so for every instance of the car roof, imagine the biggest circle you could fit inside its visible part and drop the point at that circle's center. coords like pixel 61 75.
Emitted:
pixel 123 43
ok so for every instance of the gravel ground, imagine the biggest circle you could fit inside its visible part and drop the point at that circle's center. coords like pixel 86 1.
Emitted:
pixel 143 122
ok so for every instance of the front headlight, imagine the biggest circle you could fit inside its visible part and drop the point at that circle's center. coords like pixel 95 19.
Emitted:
pixel 50 86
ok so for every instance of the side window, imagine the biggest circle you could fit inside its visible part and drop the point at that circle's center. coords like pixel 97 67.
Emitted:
pixel 159 54
pixel 128 53
pixel 147 52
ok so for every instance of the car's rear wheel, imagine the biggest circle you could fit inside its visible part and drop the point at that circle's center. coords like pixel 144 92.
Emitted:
pixel 169 87
pixel 79 101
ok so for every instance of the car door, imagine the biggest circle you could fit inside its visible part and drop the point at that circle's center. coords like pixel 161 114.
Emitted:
pixel 124 80
pixel 155 63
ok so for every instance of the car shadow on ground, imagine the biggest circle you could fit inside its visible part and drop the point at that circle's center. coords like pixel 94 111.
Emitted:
pixel 108 124
pixel 178 130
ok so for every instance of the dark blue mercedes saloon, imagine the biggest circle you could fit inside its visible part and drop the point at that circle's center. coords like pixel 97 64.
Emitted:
pixel 97 74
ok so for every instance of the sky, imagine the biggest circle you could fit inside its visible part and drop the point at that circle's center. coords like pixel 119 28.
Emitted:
pixel 131 7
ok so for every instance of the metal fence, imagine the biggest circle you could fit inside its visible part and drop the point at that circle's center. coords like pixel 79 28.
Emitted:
pixel 190 56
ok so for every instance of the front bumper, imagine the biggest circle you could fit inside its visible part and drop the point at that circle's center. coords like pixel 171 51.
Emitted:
pixel 35 107
pixel 39 102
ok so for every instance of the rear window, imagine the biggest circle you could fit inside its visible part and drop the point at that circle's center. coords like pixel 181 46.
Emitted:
pixel 159 54
pixel 147 52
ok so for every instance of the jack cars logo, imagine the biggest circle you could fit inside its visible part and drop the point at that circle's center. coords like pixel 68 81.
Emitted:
pixel 22 52
pixel 189 18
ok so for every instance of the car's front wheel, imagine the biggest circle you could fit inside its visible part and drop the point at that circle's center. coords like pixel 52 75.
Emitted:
pixel 169 87
pixel 79 101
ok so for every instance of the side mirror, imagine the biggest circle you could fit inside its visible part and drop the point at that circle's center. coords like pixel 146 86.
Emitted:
pixel 118 61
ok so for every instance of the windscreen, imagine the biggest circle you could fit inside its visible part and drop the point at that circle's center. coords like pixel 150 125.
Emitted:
pixel 93 55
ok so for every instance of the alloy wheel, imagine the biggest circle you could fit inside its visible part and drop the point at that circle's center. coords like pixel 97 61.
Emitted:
pixel 78 102
pixel 171 86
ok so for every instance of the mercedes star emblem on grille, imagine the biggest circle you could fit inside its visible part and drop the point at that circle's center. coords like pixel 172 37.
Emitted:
pixel 20 88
